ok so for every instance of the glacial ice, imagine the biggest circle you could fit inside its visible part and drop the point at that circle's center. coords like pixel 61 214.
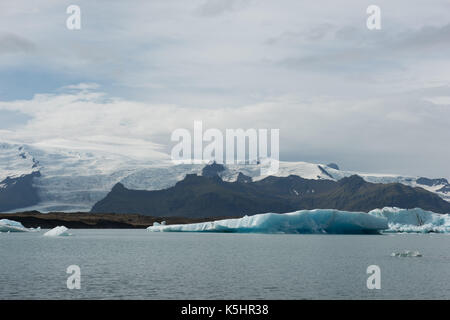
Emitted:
pixel 406 253
pixel 304 221
pixel 388 219
pixel 413 220
pixel 57 232
pixel 7 225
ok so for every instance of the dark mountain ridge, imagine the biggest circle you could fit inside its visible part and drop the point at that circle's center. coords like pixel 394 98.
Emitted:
pixel 209 196
pixel 18 192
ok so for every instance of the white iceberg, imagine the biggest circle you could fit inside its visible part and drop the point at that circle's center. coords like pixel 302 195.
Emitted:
pixel 57 232
pixel 7 225
pixel 304 221
pixel 414 220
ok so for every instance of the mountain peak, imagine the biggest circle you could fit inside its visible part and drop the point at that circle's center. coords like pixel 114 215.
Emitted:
pixel 213 169
pixel 354 182
pixel 333 166
pixel 118 187
pixel 242 178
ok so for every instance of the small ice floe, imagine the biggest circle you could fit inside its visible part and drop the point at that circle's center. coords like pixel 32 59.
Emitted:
pixel 12 226
pixel 59 231
pixel 406 253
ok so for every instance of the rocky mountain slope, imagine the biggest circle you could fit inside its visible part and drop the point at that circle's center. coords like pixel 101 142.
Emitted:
pixel 209 196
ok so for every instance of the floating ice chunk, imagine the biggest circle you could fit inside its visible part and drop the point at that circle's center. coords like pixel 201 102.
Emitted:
pixel 57 231
pixel 406 253
pixel 414 220
pixel 12 226
pixel 387 219
pixel 304 221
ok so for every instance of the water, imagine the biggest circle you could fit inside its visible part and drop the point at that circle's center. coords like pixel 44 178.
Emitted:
pixel 136 264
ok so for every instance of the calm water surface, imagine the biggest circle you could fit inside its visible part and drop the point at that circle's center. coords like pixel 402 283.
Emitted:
pixel 136 264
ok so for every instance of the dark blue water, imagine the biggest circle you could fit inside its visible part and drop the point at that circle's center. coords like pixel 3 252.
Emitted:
pixel 136 264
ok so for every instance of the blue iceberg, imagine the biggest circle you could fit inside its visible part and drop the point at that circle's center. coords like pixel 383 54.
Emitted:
pixel 414 220
pixel 388 219
pixel 304 221
pixel 7 225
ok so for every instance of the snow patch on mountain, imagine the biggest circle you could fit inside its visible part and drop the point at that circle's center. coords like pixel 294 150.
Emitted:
pixel 15 161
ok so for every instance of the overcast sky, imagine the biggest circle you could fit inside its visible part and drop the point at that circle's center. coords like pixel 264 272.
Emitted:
pixel 369 100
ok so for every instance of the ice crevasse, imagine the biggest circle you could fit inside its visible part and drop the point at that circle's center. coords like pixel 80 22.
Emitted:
pixel 323 221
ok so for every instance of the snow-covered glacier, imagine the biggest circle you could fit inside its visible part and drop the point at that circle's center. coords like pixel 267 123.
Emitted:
pixel 75 179
pixel 303 221
pixel 323 221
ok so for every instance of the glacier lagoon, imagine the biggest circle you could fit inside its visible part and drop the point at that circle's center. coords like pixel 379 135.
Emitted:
pixel 308 254
pixel 136 264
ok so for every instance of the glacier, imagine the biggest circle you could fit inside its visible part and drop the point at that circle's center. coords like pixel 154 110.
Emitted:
pixel 73 180
pixel 388 219
pixel 60 231
pixel 303 221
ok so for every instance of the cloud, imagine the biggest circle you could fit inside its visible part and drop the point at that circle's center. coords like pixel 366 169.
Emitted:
pixel 394 133
pixel 82 86
pixel 217 7
pixel 337 91
pixel 11 44
pixel 348 50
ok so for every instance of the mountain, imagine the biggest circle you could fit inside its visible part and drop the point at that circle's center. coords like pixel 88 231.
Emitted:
pixel 73 180
pixel 208 196
pixel 18 192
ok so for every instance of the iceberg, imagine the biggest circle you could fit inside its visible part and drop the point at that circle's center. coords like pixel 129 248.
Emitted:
pixel 7 225
pixel 406 253
pixel 57 232
pixel 388 219
pixel 413 220
pixel 303 221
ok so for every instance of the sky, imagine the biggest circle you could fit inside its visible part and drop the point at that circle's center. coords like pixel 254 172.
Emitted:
pixel 369 100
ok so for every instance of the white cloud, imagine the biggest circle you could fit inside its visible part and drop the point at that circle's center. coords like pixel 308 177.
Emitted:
pixel 366 134
pixel 338 92
pixel 440 100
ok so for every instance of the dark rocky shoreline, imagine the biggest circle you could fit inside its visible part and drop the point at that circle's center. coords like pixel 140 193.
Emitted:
pixel 84 220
